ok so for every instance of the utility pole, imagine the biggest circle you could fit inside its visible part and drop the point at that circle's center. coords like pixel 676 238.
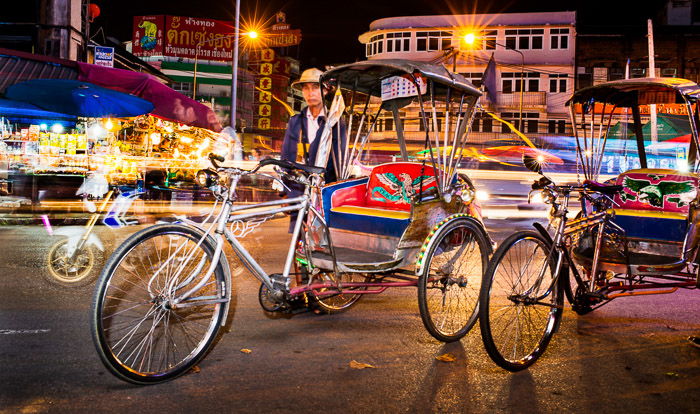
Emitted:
pixel 652 74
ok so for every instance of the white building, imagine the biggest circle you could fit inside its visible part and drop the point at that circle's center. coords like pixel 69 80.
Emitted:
pixel 541 46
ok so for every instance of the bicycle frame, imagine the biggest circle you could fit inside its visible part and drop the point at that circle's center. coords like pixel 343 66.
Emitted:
pixel 231 214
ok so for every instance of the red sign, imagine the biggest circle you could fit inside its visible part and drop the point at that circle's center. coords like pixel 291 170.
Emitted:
pixel 185 37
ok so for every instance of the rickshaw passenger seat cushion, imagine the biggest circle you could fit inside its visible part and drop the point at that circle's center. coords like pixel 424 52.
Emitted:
pixel 379 204
pixel 393 185
pixel 653 203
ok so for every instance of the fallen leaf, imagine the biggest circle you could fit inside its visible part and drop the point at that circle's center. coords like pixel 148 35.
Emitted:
pixel 360 365
pixel 195 369
pixel 446 358
pixel 246 351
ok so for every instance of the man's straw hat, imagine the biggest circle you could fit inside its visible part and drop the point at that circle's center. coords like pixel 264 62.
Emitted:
pixel 312 75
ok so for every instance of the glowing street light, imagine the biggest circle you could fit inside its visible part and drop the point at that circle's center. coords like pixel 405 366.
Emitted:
pixel 469 38
pixel 252 34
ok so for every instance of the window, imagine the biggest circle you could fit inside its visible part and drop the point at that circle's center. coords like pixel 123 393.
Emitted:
pixel 512 82
pixel 184 88
pixel 440 116
pixel 530 121
pixel 559 38
pixel 482 124
pixel 398 42
pixel 474 78
pixel 555 126
pixel 384 124
pixel 668 72
pixel 557 83
pixel 524 38
pixel 616 74
pixel 486 40
pixel 388 124
pixel 433 41
pixel 375 45
pixel 584 76
pixel 638 72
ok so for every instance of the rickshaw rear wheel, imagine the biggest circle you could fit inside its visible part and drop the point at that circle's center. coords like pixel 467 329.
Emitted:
pixel 329 300
pixel 448 288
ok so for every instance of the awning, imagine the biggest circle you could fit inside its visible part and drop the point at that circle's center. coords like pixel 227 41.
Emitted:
pixel 25 113
pixel 169 104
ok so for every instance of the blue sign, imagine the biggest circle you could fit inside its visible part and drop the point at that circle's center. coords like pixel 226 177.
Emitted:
pixel 104 56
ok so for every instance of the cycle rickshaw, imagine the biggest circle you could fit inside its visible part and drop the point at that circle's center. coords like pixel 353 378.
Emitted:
pixel 636 233
pixel 163 295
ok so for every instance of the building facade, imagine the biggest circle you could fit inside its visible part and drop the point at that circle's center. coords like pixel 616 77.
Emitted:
pixel 534 55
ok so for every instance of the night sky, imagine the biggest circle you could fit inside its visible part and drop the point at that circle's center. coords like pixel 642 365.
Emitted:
pixel 330 28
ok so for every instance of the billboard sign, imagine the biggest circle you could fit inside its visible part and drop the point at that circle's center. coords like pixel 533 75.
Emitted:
pixel 185 37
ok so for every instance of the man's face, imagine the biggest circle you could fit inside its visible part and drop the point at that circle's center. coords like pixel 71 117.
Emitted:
pixel 312 94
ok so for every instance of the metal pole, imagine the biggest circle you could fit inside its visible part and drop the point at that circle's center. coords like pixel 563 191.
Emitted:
pixel 522 87
pixel 194 73
pixel 652 74
pixel 234 74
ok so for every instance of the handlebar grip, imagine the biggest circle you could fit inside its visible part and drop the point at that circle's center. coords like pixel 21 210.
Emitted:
pixel 215 159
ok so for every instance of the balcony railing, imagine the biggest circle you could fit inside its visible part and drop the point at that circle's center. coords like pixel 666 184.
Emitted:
pixel 530 100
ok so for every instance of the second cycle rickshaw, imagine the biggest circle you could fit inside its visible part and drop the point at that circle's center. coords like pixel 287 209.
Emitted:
pixel 635 234
pixel 163 295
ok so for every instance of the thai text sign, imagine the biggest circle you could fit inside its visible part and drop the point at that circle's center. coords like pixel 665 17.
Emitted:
pixel 283 38
pixel 104 56
pixel 185 37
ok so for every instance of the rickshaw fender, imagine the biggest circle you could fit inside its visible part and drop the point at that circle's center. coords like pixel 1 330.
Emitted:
pixel 427 244
pixel 692 236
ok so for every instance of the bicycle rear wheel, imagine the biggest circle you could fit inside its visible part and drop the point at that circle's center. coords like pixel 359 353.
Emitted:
pixel 448 289
pixel 521 306
pixel 141 336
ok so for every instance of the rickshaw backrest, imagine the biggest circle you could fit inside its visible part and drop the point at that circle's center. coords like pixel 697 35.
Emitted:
pixel 393 185
pixel 660 190
pixel 653 203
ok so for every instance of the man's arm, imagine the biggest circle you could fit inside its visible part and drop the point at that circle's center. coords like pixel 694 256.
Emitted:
pixel 291 139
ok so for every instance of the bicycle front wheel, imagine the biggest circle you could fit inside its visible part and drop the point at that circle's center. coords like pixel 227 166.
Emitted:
pixel 521 301
pixel 141 334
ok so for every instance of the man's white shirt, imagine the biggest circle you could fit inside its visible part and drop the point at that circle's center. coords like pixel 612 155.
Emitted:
pixel 312 125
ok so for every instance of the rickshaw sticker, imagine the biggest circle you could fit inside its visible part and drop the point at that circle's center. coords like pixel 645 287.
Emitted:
pixel 402 86
pixel 645 192
pixel 402 187
pixel 426 243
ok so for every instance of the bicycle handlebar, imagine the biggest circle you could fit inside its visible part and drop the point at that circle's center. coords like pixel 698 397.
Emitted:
pixel 291 165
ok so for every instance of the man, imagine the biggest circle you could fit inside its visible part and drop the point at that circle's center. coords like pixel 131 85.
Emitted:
pixel 306 127
pixel 302 138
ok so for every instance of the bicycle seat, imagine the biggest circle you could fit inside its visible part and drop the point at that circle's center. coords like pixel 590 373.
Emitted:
pixel 602 188
pixel 309 169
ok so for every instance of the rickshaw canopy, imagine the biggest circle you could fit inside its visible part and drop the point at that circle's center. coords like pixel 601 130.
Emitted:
pixel 628 93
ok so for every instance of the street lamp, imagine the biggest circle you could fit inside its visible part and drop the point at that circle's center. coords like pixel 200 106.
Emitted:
pixel 470 39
